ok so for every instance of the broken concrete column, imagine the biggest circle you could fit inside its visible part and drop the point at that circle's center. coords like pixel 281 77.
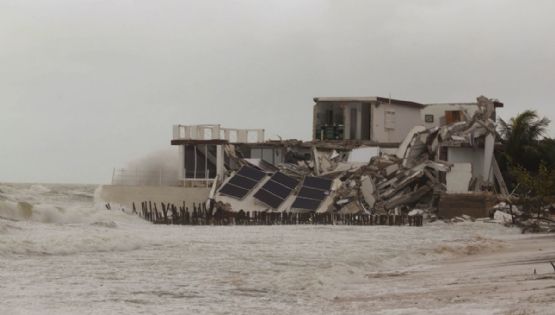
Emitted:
pixel 488 156
pixel 367 188
pixel 347 122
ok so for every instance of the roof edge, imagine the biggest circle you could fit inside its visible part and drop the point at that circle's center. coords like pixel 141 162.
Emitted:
pixel 368 99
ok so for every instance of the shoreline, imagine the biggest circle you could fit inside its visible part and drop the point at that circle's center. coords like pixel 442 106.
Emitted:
pixel 497 279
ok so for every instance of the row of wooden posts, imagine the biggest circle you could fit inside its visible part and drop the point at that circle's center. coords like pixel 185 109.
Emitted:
pixel 198 214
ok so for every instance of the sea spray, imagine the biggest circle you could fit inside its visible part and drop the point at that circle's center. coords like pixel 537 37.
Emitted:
pixel 156 168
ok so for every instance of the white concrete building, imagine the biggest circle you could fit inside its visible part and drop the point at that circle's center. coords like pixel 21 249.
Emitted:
pixel 439 114
pixel 373 119
pixel 201 151
pixel 201 162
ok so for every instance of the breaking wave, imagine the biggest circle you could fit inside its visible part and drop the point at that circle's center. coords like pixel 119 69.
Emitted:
pixel 61 220
pixel 59 204
pixel 45 213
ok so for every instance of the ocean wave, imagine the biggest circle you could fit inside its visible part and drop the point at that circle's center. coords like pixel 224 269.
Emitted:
pixel 58 194
pixel 62 220
pixel 45 213
pixel 82 194
pixel 39 189
pixel 31 240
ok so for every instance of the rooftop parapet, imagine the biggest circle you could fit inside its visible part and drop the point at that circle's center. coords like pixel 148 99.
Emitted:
pixel 183 134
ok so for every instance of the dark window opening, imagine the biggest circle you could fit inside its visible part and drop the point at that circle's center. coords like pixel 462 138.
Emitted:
pixel 200 161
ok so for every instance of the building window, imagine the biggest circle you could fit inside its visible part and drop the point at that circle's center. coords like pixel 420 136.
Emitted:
pixel 429 118
pixel 389 122
pixel 453 116
pixel 200 161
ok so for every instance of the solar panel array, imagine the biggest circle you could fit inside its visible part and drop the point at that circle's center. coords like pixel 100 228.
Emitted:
pixel 276 190
pixel 313 191
pixel 241 183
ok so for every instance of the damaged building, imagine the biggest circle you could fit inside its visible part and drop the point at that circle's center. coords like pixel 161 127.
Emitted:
pixel 368 155
pixel 370 119
pixel 364 159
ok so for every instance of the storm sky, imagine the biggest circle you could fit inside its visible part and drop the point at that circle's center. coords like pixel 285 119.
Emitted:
pixel 86 85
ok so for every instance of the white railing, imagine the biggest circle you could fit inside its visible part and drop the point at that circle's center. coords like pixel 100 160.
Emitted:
pixel 138 177
pixel 216 132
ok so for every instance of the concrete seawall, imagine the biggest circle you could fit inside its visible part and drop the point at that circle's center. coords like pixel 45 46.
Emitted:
pixel 126 195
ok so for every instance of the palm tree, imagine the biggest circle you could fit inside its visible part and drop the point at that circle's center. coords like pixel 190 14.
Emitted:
pixel 522 137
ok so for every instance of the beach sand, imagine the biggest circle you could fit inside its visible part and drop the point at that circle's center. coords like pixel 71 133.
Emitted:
pixel 498 279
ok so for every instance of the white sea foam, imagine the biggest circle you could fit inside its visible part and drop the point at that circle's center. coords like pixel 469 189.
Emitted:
pixel 60 254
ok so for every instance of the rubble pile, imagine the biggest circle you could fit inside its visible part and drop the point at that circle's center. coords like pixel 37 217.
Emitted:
pixel 385 184
pixel 415 175
pixel 509 214
pixel 455 158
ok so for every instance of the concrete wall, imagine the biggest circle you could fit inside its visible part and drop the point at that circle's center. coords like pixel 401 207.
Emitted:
pixel 371 123
pixel 406 118
pixel 477 205
pixel 438 111
pixel 469 155
pixel 273 155
pixel 126 195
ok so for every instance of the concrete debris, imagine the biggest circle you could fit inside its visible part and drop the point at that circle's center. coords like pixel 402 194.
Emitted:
pixel 416 212
pixel 462 218
pixel 401 152
pixel 342 202
pixel 430 168
pixel 389 170
pixel 507 208
pixel 262 165
pixel 363 154
pixel 502 217
pixel 367 189
pixel 508 214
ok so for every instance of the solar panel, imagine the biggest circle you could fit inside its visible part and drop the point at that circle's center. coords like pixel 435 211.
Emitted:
pixel 276 189
pixel 268 198
pixel 251 173
pixel 311 193
pixel 234 191
pixel 242 182
pixel 285 180
pixel 308 204
pixel 317 182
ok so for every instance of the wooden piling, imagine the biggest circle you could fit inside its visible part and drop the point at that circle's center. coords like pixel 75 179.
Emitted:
pixel 201 214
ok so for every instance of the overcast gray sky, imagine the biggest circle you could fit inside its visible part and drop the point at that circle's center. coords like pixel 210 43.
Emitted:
pixel 87 85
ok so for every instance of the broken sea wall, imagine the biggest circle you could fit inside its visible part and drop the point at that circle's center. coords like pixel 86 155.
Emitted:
pixel 477 205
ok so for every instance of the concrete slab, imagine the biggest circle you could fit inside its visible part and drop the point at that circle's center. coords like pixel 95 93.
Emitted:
pixel 458 179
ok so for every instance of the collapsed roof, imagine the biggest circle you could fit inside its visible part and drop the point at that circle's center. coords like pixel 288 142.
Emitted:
pixel 355 179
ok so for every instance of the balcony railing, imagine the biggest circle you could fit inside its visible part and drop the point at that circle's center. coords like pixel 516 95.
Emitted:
pixel 216 132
